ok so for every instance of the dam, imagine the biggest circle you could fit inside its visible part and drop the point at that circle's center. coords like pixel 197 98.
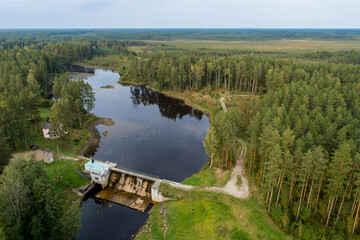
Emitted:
pixel 124 186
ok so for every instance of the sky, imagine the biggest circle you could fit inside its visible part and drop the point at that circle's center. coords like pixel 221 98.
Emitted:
pixel 179 14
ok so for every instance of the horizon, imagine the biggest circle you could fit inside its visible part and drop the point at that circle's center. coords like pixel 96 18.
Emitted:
pixel 172 28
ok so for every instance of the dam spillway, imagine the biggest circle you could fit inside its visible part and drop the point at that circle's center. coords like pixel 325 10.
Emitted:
pixel 127 190
pixel 124 186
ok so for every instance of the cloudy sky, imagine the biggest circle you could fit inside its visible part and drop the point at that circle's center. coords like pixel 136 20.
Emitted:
pixel 179 14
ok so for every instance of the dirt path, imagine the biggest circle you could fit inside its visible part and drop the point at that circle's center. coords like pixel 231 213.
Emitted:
pixel 231 186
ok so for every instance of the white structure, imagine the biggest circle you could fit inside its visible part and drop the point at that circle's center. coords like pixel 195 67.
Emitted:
pixel 99 171
pixel 156 195
pixel 46 129
pixel 48 156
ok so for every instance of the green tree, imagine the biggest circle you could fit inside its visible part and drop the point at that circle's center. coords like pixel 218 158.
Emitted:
pixel 211 144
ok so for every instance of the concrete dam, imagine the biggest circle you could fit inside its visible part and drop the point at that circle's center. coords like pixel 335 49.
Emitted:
pixel 123 186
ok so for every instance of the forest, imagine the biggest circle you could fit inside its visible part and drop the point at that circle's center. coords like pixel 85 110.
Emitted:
pixel 301 121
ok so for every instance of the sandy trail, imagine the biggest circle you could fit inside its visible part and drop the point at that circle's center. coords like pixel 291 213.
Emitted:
pixel 231 186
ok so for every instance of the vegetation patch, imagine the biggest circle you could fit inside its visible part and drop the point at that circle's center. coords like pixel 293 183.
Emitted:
pixel 107 86
pixel 239 181
pixel 209 177
pixel 199 214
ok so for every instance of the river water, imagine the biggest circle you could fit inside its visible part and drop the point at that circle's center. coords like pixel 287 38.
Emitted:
pixel 152 133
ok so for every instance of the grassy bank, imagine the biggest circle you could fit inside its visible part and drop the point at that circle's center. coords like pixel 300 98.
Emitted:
pixel 223 217
pixel 209 177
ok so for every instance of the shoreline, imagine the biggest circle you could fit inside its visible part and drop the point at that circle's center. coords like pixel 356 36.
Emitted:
pixel 96 66
pixel 170 95
pixel 94 140
pixel 186 101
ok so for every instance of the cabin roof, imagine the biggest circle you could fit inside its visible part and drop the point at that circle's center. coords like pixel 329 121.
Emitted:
pixel 46 126
pixel 97 166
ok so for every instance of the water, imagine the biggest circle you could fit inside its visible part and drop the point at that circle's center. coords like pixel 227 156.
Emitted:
pixel 152 133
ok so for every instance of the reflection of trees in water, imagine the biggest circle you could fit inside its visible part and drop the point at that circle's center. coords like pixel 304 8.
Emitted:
pixel 169 107
pixel 80 69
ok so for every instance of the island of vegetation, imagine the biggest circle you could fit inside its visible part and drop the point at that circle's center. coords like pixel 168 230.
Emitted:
pixel 297 110
pixel 108 86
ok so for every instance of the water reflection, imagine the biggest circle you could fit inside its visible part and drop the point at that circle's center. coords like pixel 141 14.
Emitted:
pixel 80 69
pixel 171 108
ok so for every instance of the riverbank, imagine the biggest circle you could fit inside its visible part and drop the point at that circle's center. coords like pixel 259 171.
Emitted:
pixel 96 66
pixel 93 140
pixel 206 107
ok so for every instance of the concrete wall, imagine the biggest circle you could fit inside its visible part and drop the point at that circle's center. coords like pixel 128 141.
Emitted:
pixel 136 183
pixel 156 195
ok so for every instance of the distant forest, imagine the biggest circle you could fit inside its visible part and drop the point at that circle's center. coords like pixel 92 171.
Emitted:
pixel 176 34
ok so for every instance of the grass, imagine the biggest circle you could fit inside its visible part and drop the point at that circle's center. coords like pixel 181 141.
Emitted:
pixel 63 174
pixel 224 217
pixel 209 177
pixel 239 181
pixel 65 179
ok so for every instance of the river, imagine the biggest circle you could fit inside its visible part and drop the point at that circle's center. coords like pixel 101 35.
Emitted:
pixel 152 133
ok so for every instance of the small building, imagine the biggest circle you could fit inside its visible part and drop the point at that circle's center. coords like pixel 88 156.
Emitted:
pixel 48 156
pixel 46 130
pixel 98 171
